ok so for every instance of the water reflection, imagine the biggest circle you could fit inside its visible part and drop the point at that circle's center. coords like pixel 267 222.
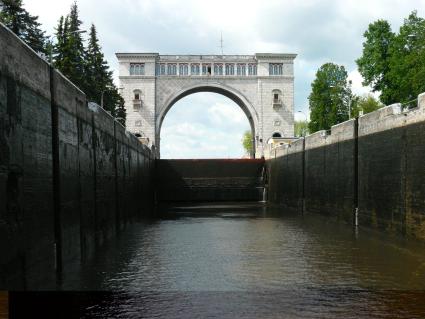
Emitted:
pixel 248 261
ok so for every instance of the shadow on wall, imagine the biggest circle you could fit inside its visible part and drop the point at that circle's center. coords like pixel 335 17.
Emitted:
pixel 372 165
pixel 70 177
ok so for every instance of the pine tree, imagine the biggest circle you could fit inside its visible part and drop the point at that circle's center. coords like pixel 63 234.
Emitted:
pixel 86 67
pixel 96 68
pixel 100 87
pixel 69 48
pixel 24 25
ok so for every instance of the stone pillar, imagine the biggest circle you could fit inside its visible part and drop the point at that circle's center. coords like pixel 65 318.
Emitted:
pixel 421 100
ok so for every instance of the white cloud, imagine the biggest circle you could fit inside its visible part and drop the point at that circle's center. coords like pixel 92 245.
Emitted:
pixel 357 86
pixel 203 125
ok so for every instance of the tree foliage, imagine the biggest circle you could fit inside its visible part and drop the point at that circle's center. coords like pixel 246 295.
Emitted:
pixel 24 25
pixel 247 142
pixel 86 66
pixel 99 81
pixel 301 128
pixel 394 64
pixel 69 55
pixel 366 104
pixel 329 98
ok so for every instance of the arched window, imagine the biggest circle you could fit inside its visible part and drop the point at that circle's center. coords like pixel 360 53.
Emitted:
pixel 137 94
pixel 276 135
pixel 276 69
pixel 137 68
pixel 137 100
pixel 277 98
pixel 252 69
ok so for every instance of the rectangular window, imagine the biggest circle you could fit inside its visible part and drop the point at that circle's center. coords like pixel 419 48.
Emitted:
pixel 218 69
pixel 163 69
pixel 230 69
pixel 194 69
pixel 206 69
pixel 183 69
pixel 137 69
pixel 275 68
pixel 241 69
pixel 252 69
pixel 172 69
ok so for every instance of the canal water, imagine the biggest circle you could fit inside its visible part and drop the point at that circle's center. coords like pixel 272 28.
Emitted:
pixel 249 261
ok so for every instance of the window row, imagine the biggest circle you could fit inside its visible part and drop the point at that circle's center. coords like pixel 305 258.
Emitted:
pixel 276 68
pixel 206 69
pixel 137 68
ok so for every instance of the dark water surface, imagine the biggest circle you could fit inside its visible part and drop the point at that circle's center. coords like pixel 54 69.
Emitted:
pixel 247 261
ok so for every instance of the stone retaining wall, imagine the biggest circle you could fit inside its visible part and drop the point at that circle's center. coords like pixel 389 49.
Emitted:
pixel 70 175
pixel 373 164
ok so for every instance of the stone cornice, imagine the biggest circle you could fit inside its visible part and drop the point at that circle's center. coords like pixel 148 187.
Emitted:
pixel 121 56
pixel 205 77
pixel 276 56
pixel 205 58
pixel 136 77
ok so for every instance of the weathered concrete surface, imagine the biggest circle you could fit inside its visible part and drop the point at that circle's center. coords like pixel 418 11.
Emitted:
pixel 391 169
pixel 374 164
pixel 286 176
pixel 329 173
pixel 209 180
pixel 26 201
pixel 62 169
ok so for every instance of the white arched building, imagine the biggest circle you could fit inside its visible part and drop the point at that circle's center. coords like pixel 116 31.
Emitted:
pixel 261 84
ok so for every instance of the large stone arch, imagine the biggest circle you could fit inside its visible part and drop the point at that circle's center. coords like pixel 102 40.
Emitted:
pixel 213 87
pixel 261 84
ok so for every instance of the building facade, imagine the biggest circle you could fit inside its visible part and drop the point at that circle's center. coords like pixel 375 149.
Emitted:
pixel 261 84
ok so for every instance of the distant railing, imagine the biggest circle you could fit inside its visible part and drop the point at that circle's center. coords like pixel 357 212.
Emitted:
pixel 406 106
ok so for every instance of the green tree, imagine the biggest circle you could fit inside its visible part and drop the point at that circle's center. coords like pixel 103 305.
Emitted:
pixel 24 25
pixel 69 48
pixel 407 63
pixel 98 76
pixel 394 64
pixel 374 64
pixel 247 142
pixel 366 104
pixel 99 79
pixel 329 98
pixel 301 128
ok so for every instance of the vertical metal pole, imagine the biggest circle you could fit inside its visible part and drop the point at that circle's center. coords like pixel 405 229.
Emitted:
pixel 56 178
pixel 303 179
pixel 356 173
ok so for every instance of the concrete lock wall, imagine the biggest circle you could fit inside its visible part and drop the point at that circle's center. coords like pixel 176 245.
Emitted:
pixel 70 176
pixel 373 163
pixel 209 180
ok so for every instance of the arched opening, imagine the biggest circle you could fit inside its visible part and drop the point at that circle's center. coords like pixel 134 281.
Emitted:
pixel 204 125
pixel 277 134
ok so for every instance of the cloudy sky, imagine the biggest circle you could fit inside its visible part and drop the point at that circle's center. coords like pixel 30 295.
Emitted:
pixel 209 125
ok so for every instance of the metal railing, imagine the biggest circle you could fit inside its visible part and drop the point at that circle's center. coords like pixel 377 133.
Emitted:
pixel 406 106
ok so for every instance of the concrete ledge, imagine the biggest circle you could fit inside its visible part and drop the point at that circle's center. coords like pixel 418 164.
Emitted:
pixel 66 95
pixel 421 100
pixel 342 132
pixel 296 146
pixel 316 139
pixel 22 64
